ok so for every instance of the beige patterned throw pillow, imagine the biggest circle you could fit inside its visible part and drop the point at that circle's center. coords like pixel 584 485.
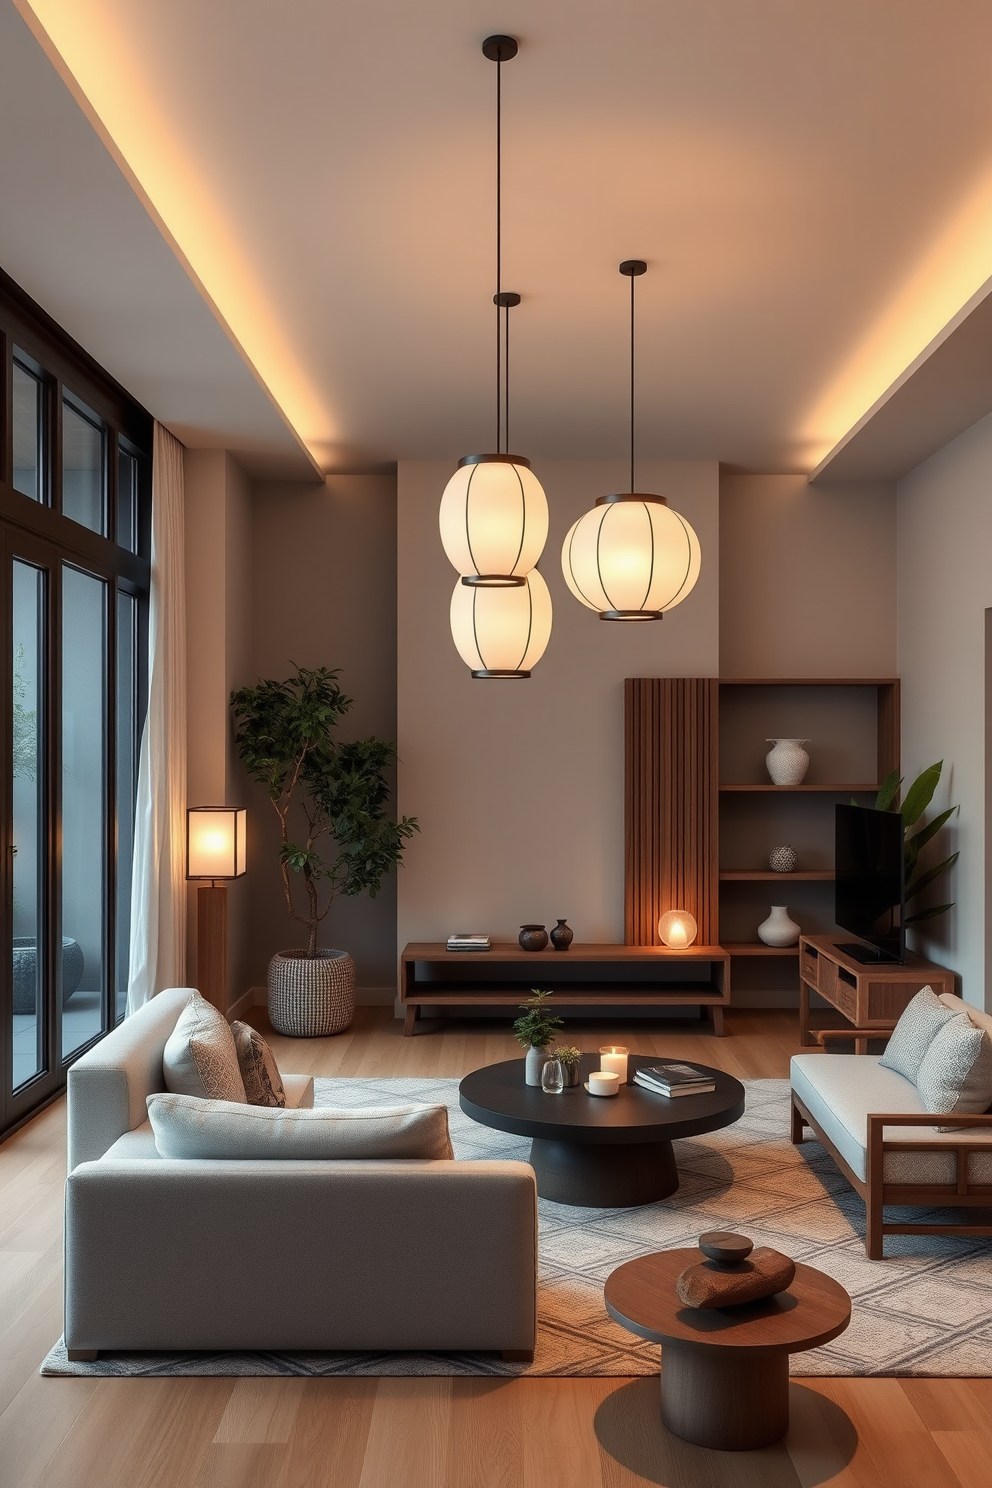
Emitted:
pixel 955 1077
pixel 200 1058
pixel 259 1071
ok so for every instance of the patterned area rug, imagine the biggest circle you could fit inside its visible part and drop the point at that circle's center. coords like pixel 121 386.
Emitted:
pixel 925 1310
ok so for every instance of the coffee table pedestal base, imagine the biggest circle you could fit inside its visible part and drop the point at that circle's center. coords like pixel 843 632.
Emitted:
pixel 735 1401
pixel 604 1176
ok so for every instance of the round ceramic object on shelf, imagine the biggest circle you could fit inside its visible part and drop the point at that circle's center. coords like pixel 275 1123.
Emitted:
pixel 783 859
pixel 788 761
pixel 532 937
pixel 561 936
pixel 778 930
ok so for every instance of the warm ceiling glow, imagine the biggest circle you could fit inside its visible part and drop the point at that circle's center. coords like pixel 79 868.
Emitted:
pixel 106 79
pixel 950 273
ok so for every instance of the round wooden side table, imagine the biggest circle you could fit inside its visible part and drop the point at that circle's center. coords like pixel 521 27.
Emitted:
pixel 725 1373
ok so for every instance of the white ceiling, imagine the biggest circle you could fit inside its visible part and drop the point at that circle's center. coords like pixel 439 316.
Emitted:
pixel 788 168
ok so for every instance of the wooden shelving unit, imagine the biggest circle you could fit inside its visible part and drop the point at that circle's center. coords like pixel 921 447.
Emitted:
pixel 699 842
pixel 853 727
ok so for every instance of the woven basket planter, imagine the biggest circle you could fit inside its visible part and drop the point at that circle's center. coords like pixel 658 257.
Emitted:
pixel 311 999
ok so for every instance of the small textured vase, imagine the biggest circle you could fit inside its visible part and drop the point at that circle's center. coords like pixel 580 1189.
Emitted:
pixel 532 937
pixel 788 761
pixel 569 1072
pixel 783 859
pixel 561 936
pixel 534 1066
pixel 778 930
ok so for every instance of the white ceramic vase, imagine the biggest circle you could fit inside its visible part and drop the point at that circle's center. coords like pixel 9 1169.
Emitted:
pixel 788 761
pixel 778 930
pixel 534 1064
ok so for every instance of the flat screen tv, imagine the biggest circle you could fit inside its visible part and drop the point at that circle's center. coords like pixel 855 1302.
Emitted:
pixel 870 883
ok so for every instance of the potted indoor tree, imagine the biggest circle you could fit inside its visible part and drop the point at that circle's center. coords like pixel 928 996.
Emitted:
pixel 335 834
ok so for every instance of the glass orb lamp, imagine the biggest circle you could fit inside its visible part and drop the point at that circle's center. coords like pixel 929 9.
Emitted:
pixel 501 632
pixel 631 558
pixel 493 520
pixel 677 929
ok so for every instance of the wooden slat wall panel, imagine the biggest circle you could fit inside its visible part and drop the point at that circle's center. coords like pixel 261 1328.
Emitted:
pixel 671 804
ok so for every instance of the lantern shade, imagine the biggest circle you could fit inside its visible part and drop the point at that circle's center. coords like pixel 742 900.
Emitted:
pixel 677 929
pixel 501 632
pixel 216 841
pixel 631 558
pixel 493 519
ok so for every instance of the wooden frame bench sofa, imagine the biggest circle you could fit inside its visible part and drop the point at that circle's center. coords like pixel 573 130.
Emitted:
pixel 872 1122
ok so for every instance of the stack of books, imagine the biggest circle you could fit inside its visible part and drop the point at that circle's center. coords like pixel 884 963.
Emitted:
pixel 671 1079
pixel 463 941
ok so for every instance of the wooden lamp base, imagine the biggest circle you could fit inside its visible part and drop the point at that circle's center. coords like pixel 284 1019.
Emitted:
pixel 211 944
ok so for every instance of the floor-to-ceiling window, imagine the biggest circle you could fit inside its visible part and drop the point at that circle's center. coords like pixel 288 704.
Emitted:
pixel 74 511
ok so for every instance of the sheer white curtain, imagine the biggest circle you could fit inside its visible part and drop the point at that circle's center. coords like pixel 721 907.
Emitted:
pixel 158 881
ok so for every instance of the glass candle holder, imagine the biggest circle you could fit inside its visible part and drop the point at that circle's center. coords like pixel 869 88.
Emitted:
pixel 614 1058
pixel 677 929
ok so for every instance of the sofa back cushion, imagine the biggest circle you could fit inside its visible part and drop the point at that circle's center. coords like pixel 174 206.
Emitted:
pixel 918 1026
pixel 955 1074
pixel 200 1057
pixel 185 1127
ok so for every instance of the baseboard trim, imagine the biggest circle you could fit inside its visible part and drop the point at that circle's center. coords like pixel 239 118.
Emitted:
pixel 258 996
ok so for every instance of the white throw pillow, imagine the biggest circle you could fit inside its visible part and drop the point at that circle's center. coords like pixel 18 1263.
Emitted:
pixel 185 1127
pixel 920 1022
pixel 955 1076
pixel 200 1058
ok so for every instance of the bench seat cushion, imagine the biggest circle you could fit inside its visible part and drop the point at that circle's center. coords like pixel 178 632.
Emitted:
pixel 140 1142
pixel 839 1091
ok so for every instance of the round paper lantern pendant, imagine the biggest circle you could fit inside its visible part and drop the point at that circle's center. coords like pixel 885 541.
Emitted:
pixel 631 558
pixel 493 520
pixel 501 632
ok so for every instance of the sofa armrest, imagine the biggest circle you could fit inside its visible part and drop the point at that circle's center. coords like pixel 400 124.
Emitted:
pixel 301 1255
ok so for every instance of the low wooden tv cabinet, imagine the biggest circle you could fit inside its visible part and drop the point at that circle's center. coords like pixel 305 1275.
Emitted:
pixel 583 976
pixel 869 996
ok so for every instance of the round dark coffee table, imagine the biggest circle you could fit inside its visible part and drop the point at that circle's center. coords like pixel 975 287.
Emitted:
pixel 603 1152
pixel 725 1372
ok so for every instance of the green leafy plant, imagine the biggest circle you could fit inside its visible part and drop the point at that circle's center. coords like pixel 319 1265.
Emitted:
pixel 537 1027
pixel 285 739
pixel 567 1054
pixel 913 809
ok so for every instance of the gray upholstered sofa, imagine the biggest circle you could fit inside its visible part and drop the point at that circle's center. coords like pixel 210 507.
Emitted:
pixel 167 1254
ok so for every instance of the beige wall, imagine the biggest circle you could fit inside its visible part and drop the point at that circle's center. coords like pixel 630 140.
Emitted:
pixel 323 581
pixel 218 643
pixel 519 784
pixel 945 587
pixel 807 578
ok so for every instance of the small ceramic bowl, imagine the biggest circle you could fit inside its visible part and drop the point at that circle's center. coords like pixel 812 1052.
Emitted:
pixel 603 1082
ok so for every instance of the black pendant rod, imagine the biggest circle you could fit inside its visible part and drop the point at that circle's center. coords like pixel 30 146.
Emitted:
pixel 500 49
pixel 632 268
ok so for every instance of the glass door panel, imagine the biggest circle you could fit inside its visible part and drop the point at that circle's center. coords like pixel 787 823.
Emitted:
pixel 82 978
pixel 29 826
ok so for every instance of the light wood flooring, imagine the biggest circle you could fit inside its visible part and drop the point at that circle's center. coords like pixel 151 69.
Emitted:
pixel 430 1433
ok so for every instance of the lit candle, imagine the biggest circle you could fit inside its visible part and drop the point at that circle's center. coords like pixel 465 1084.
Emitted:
pixel 603 1082
pixel 677 929
pixel 614 1058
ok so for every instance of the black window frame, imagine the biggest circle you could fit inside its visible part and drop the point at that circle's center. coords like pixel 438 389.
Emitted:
pixel 67 368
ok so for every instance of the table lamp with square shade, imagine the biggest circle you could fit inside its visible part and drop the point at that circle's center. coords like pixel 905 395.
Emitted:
pixel 215 852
